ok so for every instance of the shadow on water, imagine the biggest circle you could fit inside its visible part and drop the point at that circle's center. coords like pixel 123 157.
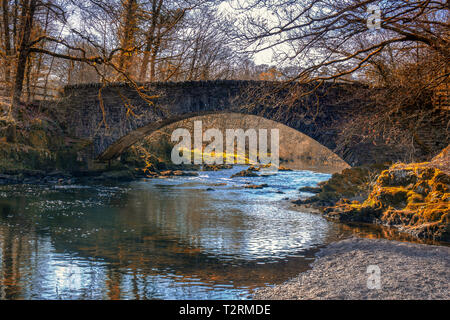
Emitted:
pixel 170 239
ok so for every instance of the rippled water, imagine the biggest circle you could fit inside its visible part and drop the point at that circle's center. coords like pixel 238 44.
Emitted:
pixel 176 238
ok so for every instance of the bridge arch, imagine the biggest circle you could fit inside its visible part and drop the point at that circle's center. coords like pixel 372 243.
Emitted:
pixel 297 150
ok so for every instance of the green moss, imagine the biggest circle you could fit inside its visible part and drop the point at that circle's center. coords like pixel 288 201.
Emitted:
pixel 15 156
pixel 38 139
pixel 412 196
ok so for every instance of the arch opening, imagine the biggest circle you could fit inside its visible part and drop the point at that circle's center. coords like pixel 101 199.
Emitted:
pixel 297 150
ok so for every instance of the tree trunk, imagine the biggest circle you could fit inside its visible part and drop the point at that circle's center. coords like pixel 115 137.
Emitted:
pixel 28 8
pixel 7 43
pixel 127 37
pixel 15 14
pixel 40 58
pixel 28 71
pixel 155 51
pixel 150 39
pixel 145 61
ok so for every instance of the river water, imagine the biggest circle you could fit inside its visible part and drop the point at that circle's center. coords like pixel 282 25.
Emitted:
pixel 203 237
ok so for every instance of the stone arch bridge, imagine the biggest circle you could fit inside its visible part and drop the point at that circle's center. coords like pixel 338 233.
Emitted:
pixel 116 116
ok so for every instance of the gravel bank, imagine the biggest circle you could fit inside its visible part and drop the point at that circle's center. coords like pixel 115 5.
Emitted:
pixel 408 271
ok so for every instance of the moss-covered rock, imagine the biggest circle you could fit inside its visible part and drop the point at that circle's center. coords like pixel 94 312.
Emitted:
pixel 15 156
pixel 281 168
pixel 310 189
pixel 413 198
pixel 177 173
pixel 256 186
pixel 216 167
pixel 399 177
pixel 245 173
pixel 38 139
pixel 354 184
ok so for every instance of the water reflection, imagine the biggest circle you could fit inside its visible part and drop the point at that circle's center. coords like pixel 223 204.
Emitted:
pixel 156 240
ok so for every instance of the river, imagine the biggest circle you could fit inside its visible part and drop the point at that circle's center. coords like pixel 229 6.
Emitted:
pixel 204 237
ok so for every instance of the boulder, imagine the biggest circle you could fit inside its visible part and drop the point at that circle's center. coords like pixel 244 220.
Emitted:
pixel 354 184
pixel 245 173
pixel 310 189
pixel 177 173
pixel 216 167
pixel 256 186
pixel 413 198
pixel 166 173
pixel 119 175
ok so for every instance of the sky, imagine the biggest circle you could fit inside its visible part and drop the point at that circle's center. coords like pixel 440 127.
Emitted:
pixel 263 57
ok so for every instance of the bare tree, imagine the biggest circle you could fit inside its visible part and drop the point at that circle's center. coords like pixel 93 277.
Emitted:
pixel 318 34
pixel 404 52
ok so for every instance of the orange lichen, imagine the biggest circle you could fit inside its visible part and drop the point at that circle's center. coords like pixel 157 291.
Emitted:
pixel 413 197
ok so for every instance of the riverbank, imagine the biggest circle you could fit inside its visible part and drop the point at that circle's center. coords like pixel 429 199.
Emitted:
pixel 408 271
pixel 412 198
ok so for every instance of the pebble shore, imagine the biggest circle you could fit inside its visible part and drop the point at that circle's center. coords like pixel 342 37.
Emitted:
pixel 407 271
